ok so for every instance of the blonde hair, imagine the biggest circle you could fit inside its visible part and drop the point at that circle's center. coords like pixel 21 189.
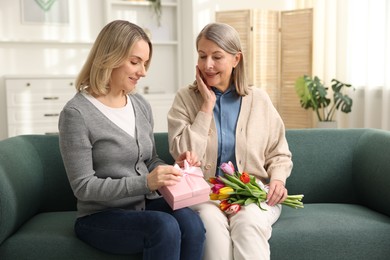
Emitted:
pixel 110 50
pixel 227 38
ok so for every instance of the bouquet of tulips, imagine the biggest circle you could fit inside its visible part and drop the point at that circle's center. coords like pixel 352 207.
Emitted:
pixel 236 189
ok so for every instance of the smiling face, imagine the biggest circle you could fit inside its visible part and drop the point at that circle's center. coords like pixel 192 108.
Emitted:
pixel 215 64
pixel 125 77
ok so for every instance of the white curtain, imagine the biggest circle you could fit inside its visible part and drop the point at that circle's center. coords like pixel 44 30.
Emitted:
pixel 352 44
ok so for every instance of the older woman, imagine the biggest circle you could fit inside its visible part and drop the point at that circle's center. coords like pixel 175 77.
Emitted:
pixel 222 119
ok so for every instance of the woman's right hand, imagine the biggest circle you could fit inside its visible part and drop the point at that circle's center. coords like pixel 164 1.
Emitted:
pixel 163 175
pixel 208 95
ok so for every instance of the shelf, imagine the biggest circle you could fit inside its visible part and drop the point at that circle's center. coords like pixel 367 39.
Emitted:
pixel 12 42
pixel 165 71
pixel 40 76
pixel 43 42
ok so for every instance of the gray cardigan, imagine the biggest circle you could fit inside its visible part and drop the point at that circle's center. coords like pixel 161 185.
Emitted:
pixel 107 167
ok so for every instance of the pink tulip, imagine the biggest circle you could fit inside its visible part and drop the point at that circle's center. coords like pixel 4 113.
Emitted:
pixel 228 168
pixel 217 187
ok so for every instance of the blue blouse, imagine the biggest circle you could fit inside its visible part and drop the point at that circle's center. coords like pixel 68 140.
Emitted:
pixel 226 111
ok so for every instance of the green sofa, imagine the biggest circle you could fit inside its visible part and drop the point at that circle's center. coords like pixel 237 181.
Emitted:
pixel 343 173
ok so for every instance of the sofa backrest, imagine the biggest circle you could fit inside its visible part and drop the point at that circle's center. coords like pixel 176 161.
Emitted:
pixel 323 163
pixel 323 160
pixel 322 166
pixel 162 147
pixel 323 170
pixel 341 165
pixel 36 164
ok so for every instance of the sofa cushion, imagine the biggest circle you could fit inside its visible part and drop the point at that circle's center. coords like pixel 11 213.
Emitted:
pixel 51 234
pixel 330 231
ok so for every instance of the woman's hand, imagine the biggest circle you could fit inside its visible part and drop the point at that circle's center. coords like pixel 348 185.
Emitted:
pixel 163 175
pixel 277 193
pixel 208 95
pixel 191 158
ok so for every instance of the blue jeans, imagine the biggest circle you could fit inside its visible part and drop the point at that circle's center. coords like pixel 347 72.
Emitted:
pixel 158 232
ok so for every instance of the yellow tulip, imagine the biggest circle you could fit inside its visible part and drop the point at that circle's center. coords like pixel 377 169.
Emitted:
pixel 214 196
pixel 223 196
pixel 226 190
pixel 225 193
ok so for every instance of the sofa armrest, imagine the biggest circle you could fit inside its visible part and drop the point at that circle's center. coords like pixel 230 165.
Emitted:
pixel 21 183
pixel 371 167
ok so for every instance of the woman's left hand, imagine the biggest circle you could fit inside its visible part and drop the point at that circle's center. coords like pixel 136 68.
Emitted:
pixel 277 192
pixel 191 158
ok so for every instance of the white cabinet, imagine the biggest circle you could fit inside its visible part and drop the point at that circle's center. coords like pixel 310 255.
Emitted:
pixel 164 74
pixel 35 102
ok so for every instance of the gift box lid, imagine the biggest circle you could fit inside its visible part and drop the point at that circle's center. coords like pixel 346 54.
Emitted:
pixel 192 184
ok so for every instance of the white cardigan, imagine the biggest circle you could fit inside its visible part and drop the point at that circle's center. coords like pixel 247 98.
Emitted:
pixel 261 146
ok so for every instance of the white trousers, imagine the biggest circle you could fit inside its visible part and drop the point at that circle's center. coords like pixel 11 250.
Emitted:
pixel 241 236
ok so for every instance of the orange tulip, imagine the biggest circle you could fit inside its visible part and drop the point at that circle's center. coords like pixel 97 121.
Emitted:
pixel 224 205
pixel 245 177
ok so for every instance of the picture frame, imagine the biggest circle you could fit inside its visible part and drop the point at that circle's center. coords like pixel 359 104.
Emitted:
pixel 45 12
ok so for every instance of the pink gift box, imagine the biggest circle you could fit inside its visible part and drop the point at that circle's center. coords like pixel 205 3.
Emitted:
pixel 191 190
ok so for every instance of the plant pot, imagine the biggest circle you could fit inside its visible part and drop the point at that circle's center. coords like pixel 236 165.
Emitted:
pixel 327 124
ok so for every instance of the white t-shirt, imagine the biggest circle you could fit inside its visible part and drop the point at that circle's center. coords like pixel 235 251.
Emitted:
pixel 123 117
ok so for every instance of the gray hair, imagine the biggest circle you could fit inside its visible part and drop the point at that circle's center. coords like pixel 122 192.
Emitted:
pixel 228 39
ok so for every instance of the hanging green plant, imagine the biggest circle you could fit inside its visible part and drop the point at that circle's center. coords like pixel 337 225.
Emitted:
pixel 156 6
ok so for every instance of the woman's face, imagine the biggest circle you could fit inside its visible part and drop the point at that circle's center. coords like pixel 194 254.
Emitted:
pixel 125 77
pixel 215 64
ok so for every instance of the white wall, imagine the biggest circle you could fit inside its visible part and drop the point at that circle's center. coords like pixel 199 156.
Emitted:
pixel 36 49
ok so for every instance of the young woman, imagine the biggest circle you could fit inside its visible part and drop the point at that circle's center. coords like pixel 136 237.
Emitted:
pixel 222 119
pixel 107 145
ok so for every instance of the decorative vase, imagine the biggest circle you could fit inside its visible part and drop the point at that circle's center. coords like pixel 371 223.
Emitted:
pixel 327 124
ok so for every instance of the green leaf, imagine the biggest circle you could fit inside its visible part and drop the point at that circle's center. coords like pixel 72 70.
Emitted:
pixel 259 201
pixel 312 93
pixel 343 102
pixel 229 183
pixel 241 202
pixel 235 180
pixel 243 192
pixel 249 201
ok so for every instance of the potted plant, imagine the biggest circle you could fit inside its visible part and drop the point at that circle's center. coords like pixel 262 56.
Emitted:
pixel 156 6
pixel 313 94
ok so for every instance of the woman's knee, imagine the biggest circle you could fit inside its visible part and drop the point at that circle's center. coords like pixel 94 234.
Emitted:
pixel 190 223
pixel 166 224
pixel 210 213
pixel 251 221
